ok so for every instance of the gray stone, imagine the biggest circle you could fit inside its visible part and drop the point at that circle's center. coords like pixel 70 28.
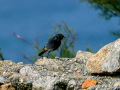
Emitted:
pixel 35 75
pixel 7 75
pixel 16 68
pixel 55 74
pixel 112 62
pixel 25 70
pixel 106 60
pixel 44 83
pixel 14 79
pixel 71 85
pixel 2 80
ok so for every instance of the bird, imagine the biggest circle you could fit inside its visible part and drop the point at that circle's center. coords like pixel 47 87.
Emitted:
pixel 52 44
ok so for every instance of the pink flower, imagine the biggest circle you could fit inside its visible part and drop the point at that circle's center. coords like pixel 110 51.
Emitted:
pixel 35 41
pixel 17 36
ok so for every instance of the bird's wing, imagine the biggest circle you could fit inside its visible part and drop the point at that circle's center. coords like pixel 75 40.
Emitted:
pixel 52 39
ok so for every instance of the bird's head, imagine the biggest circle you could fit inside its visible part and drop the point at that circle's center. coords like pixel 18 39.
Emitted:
pixel 60 36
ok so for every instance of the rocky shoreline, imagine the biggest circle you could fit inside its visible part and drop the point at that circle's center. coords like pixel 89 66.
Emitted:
pixel 77 73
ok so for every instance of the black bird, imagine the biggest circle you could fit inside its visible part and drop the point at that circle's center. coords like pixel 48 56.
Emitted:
pixel 52 44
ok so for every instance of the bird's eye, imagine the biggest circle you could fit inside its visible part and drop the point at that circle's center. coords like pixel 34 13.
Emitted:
pixel 55 38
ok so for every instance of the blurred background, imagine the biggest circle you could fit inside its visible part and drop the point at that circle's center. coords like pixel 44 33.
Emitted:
pixel 24 17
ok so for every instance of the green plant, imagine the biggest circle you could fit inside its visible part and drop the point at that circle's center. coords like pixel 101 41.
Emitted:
pixel 1 56
pixel 109 9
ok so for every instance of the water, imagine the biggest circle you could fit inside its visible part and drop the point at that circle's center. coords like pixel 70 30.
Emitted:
pixel 24 17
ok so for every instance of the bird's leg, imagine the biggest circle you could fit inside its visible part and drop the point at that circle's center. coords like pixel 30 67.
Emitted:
pixel 48 54
pixel 42 56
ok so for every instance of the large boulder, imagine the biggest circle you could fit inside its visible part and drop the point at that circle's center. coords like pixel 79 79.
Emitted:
pixel 106 60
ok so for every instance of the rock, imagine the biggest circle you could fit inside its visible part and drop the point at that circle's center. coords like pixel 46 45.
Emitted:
pixel 87 83
pixel 21 86
pixel 103 87
pixel 6 87
pixel 15 68
pixel 15 74
pixel 106 60
pixel 35 75
pixel 14 79
pixel 51 64
pixel 54 74
pixel 71 85
pixel 60 84
pixel 44 83
pixel 6 74
pixel 2 80
pixel 82 52
pixel 25 70
pixel 76 74
pixel 82 56
pixel 117 83
pixel 6 62
pixel 39 60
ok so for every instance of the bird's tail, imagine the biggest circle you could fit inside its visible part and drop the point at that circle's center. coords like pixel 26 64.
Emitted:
pixel 43 51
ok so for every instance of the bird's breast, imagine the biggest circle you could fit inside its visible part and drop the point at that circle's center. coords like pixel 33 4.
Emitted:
pixel 51 46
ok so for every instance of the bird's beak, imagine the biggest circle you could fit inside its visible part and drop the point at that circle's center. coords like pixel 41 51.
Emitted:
pixel 64 37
